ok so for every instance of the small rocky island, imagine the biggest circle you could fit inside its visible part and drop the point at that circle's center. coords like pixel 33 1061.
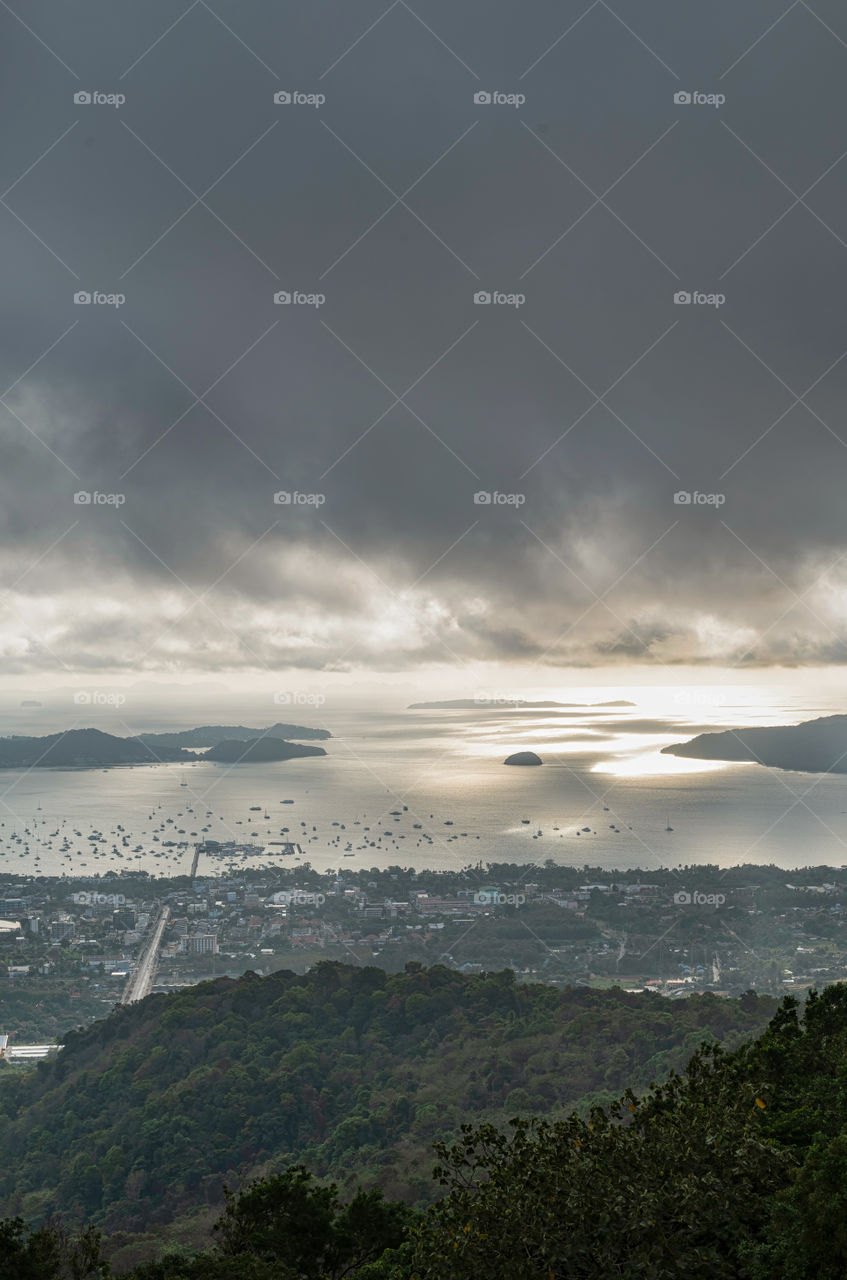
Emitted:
pixel 523 757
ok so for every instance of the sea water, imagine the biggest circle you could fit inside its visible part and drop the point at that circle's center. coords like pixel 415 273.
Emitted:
pixel 432 788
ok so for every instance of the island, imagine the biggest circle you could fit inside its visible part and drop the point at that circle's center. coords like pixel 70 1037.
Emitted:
pixel 523 757
pixel 259 750
pixel 209 735
pixel 92 748
pixel 475 704
pixel 815 746
pixel 82 748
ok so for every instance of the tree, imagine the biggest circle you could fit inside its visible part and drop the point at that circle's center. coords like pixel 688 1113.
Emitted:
pixel 49 1253
pixel 291 1220
pixel 670 1185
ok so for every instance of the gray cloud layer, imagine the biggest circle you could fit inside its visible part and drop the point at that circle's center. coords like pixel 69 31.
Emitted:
pixel 397 400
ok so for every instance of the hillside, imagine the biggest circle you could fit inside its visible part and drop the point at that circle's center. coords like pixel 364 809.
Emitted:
pixel 816 746
pixel 734 1169
pixel 146 1114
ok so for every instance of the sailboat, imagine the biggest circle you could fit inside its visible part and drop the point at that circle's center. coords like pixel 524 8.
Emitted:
pixel 669 827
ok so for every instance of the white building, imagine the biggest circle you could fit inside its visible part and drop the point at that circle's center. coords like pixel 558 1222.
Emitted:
pixel 199 944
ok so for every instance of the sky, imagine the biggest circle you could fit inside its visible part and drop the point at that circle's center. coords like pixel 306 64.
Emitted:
pixel 409 327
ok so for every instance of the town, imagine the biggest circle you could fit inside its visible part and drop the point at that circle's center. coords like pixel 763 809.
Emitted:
pixel 73 948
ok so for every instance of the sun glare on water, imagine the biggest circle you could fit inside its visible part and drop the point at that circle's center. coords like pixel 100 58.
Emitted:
pixel 653 762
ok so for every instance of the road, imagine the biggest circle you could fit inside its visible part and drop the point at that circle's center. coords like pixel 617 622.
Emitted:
pixel 141 979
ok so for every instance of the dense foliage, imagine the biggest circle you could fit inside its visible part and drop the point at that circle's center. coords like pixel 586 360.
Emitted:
pixel 735 1169
pixel 286 1227
pixel 353 1071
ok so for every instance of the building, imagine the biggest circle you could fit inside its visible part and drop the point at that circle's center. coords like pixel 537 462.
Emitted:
pixel 25 1052
pixel 428 906
pixel 199 944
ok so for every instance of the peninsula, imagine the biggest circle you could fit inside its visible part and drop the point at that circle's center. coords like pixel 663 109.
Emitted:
pixel 259 750
pixel 815 746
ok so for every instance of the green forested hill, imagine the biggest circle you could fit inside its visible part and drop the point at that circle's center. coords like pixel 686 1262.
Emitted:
pixel 353 1071
pixel 735 1169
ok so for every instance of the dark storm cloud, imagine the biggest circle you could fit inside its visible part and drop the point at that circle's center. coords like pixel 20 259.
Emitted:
pixel 398 400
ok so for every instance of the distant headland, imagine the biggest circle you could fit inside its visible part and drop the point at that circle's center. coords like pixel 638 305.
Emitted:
pixel 815 746
pixel 259 750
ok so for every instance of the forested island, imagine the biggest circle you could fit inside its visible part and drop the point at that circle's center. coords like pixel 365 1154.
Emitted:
pixel 80 748
pixel 209 735
pixel 92 748
pixel 256 750
pixel 520 704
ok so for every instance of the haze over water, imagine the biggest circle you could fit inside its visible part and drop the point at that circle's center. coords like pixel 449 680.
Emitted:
pixel 602 770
